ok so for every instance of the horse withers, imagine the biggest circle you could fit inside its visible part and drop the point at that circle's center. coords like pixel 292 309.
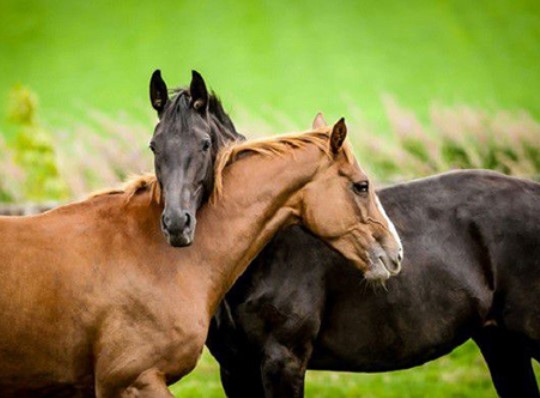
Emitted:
pixel 94 302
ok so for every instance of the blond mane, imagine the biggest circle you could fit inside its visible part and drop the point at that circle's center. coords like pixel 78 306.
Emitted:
pixel 274 146
pixel 134 185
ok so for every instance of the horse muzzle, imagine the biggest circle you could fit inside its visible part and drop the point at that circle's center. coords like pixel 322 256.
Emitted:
pixel 179 229
pixel 384 264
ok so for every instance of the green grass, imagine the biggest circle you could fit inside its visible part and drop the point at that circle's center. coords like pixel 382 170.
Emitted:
pixel 282 58
pixel 463 373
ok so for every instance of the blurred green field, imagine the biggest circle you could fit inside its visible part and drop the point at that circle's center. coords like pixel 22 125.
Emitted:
pixel 290 58
pixel 460 374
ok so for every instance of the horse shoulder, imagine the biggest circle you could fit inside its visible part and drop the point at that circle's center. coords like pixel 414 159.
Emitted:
pixel 150 334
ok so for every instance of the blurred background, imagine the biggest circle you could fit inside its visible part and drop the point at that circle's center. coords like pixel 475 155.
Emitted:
pixel 425 85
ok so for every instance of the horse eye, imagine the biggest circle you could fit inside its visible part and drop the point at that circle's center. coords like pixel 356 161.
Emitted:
pixel 152 147
pixel 361 187
pixel 206 145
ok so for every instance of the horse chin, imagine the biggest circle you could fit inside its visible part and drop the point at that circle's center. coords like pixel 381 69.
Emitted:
pixel 377 272
pixel 373 271
pixel 178 240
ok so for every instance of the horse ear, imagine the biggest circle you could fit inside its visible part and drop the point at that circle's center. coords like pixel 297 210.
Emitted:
pixel 158 92
pixel 198 92
pixel 319 121
pixel 339 132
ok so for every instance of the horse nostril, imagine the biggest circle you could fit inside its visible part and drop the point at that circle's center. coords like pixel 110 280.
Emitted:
pixel 397 264
pixel 393 265
pixel 188 220
pixel 165 221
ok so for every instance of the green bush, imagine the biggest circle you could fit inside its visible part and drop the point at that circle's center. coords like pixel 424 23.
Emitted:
pixel 33 150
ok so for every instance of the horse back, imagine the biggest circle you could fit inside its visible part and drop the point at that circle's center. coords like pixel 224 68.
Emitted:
pixel 499 216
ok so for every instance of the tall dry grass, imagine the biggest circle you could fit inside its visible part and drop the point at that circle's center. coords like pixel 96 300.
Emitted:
pixel 104 152
pixel 460 137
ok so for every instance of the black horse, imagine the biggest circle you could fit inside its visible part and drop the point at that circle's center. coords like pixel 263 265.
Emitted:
pixel 471 270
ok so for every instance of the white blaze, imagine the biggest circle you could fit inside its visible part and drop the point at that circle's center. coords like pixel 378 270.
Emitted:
pixel 391 225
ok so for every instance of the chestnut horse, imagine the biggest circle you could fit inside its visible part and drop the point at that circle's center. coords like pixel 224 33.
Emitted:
pixel 93 300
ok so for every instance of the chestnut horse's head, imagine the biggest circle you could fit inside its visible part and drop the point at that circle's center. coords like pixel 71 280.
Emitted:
pixel 192 126
pixel 341 206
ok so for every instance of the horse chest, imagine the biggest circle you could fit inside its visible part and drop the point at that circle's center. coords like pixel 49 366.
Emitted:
pixel 169 336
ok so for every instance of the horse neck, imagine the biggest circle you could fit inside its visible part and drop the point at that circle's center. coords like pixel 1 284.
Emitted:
pixel 260 195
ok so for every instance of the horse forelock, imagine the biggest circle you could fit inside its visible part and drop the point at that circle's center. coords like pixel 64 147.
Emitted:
pixel 215 106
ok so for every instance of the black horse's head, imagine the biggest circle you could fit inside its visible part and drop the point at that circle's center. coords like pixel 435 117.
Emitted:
pixel 192 126
pixel 182 147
